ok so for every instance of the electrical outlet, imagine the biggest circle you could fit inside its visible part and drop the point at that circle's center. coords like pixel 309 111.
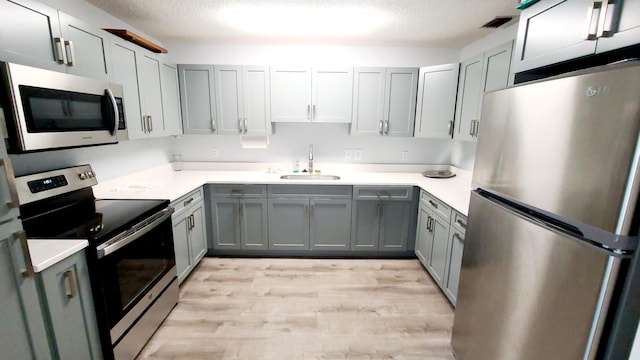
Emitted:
pixel 347 154
pixel 405 155
pixel 214 152
pixel 357 154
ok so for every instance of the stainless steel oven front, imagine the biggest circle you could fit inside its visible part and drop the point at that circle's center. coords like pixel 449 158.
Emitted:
pixel 45 109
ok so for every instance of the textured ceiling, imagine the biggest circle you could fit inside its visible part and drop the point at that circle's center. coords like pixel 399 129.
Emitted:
pixel 419 23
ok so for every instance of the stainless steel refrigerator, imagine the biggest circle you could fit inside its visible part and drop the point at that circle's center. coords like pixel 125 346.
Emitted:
pixel 548 268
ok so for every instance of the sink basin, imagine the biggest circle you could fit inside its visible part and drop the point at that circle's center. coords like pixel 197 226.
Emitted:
pixel 309 177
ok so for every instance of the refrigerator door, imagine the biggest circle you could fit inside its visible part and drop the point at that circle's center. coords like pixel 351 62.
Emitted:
pixel 528 291
pixel 568 146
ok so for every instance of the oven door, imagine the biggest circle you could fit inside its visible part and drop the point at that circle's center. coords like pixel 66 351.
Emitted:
pixel 133 269
pixel 47 109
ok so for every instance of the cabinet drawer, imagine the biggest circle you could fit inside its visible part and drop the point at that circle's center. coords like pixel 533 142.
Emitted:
pixel 188 200
pixel 244 191
pixel 436 205
pixel 383 193
pixel 459 222
pixel 309 191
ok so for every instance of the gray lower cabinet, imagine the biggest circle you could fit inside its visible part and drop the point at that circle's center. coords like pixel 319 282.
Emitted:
pixel 239 217
pixel 189 232
pixel 383 218
pixel 68 305
pixel 309 217
pixel 455 248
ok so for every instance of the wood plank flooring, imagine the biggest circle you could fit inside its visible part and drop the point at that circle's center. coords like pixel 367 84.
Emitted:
pixel 233 308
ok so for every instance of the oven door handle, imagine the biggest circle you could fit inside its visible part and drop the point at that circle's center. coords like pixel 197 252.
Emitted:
pixel 133 234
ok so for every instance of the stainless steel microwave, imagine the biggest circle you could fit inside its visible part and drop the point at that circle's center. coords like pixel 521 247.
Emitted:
pixel 45 109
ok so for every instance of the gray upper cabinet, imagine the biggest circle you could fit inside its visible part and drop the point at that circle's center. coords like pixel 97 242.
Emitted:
pixel 486 72
pixel 311 94
pixel 197 99
pixel 437 89
pixel 66 290
pixel 171 100
pixel 125 72
pixel 150 71
pixel 384 101
pixel 242 99
pixel 550 32
pixel 33 34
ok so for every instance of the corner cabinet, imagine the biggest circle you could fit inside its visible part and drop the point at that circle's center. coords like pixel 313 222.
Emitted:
pixel 189 232
pixel 197 99
pixel 437 89
pixel 239 217
pixel 486 72
pixel 305 217
pixel 68 300
pixel 243 99
pixel 555 31
pixel 311 94
pixel 383 218
pixel 384 101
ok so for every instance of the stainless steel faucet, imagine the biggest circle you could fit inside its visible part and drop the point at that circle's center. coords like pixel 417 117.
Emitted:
pixel 311 159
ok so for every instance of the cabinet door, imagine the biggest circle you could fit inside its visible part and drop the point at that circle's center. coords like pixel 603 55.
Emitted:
pixel 330 224
pixel 87 49
pixel 8 193
pixel 181 246
pixel 424 238
pixel 69 304
pixel 454 264
pixel 366 225
pixel 332 95
pixel 469 97
pixel 438 255
pixel 256 100
pixel 368 101
pixel 253 224
pixel 290 94
pixel 197 99
pixel 394 225
pixel 437 89
pixel 197 234
pixel 553 31
pixel 228 85
pixel 497 63
pixel 400 101
pixel 27 33
pixel 125 72
pixel 171 100
pixel 25 334
pixel 151 73
pixel 288 224
pixel 621 27
pixel 226 223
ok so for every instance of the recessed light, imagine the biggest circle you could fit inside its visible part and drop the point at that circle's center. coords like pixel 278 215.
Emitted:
pixel 304 21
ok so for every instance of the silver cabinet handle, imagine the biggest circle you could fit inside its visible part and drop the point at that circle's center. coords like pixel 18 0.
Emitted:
pixel 143 123
pixel 72 292
pixel 386 127
pixel 462 223
pixel 458 236
pixel 603 18
pixel 311 210
pixel 245 125
pixel 193 221
pixel 61 54
pixel 450 128
pixel 309 112
pixel 477 128
pixel 588 34
pixel 383 193
pixel 71 55
pixel 240 125
pixel 471 127
pixel 382 210
pixel 150 123
pixel 213 124
pixel 11 184
pixel 313 115
pixel 429 223
pixel 28 271
pixel 187 202
pixel 237 191
pixel 435 205
pixel 381 127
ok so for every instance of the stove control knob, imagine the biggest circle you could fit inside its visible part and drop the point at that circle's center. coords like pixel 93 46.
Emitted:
pixel 83 176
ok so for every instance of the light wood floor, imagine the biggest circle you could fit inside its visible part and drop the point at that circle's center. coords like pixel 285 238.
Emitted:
pixel 306 309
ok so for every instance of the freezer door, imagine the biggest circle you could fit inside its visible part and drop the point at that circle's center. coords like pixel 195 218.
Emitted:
pixel 567 146
pixel 528 291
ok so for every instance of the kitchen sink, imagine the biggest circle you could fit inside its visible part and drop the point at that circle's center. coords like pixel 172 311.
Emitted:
pixel 309 177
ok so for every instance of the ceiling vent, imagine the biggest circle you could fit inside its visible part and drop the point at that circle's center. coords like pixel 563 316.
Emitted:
pixel 497 22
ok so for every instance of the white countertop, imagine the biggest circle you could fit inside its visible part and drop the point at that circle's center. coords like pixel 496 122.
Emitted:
pixel 45 252
pixel 163 183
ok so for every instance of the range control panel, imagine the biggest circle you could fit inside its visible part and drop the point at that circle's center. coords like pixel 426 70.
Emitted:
pixel 43 185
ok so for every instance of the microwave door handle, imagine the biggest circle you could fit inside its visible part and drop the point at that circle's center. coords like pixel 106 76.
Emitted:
pixel 114 107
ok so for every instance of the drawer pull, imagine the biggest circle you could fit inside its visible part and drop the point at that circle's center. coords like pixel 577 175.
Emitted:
pixel 384 193
pixel 462 223
pixel 433 204
pixel 72 292
pixel 187 202
pixel 458 236
pixel 237 191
